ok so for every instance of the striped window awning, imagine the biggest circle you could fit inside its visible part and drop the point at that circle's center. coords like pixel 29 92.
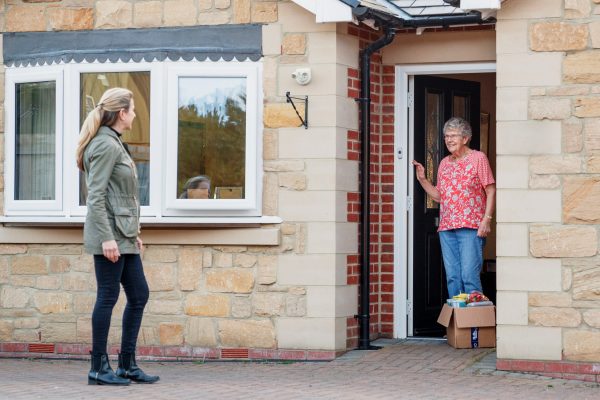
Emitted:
pixel 215 42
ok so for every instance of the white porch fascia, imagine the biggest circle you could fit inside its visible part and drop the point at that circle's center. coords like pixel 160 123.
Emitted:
pixel 488 8
pixel 480 4
pixel 327 10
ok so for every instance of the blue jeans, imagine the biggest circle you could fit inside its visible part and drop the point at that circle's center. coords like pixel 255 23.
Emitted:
pixel 462 251
pixel 129 272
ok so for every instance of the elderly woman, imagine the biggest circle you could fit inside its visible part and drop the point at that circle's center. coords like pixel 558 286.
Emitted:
pixel 197 187
pixel 466 192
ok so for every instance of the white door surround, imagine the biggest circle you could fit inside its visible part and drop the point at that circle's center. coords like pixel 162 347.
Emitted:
pixel 403 178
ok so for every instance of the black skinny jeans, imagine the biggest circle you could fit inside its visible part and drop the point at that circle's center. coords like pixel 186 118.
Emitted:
pixel 129 272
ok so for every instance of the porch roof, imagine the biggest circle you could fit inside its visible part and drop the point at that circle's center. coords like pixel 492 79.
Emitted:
pixel 414 8
pixel 427 7
pixel 407 13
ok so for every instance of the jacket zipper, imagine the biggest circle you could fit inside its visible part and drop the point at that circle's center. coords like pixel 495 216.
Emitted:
pixel 135 180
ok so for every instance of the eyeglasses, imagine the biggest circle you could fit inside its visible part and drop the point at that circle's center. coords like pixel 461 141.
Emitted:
pixel 448 137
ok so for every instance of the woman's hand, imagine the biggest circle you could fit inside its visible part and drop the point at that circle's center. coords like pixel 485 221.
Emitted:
pixel 427 186
pixel 140 244
pixel 111 250
pixel 420 170
pixel 484 227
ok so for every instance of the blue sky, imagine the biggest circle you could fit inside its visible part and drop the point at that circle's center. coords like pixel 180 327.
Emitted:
pixel 208 92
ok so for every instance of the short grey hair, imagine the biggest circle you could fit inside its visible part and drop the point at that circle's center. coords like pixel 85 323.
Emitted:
pixel 459 124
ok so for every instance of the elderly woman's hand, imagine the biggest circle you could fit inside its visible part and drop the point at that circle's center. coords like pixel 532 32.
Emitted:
pixel 420 170
pixel 484 227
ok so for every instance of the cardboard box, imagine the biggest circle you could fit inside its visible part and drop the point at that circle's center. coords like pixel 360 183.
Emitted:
pixel 469 327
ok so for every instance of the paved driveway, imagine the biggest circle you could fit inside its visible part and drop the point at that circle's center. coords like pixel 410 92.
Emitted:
pixel 401 370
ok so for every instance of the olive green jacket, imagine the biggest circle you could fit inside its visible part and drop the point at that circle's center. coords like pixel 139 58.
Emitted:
pixel 113 210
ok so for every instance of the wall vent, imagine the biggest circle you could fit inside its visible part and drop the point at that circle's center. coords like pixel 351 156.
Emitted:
pixel 234 353
pixel 41 348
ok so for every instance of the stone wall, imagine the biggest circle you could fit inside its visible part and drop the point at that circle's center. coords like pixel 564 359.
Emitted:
pixel 548 183
pixel 200 296
pixel 291 296
pixel 64 15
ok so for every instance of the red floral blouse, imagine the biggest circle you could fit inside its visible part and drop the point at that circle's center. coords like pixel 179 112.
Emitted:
pixel 462 185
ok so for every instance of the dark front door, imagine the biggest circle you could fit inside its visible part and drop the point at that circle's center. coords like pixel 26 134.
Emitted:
pixel 435 101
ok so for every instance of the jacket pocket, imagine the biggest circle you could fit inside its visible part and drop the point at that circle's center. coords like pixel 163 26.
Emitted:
pixel 126 222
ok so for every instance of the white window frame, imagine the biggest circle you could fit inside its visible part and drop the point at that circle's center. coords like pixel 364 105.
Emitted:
pixel 163 208
pixel 72 123
pixel 32 207
pixel 249 204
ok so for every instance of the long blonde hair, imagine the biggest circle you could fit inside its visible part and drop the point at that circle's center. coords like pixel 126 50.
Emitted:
pixel 105 113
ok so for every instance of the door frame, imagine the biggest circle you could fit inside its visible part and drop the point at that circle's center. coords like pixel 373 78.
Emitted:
pixel 403 178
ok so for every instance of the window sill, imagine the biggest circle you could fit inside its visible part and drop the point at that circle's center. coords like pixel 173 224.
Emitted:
pixel 166 231
pixel 147 222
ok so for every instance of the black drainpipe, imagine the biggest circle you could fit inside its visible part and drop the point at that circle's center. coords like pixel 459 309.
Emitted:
pixel 365 190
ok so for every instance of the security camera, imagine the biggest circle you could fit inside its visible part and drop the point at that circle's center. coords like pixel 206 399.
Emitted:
pixel 302 76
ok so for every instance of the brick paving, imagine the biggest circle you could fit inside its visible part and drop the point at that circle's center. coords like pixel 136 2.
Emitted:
pixel 414 369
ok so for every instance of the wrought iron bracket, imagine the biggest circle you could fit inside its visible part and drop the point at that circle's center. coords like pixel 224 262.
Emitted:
pixel 290 99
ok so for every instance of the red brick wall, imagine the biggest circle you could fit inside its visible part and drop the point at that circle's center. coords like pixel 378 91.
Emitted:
pixel 386 201
pixel 578 370
pixel 381 190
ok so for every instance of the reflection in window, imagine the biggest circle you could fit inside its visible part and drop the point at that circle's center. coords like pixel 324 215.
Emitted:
pixel 212 134
pixel 35 141
pixel 433 128
pixel 197 187
pixel 137 140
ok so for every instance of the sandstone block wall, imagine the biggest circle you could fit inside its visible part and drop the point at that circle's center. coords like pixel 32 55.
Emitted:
pixel 548 182
pixel 200 296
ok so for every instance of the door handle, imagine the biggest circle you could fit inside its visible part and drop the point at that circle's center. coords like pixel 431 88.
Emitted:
pixel 437 221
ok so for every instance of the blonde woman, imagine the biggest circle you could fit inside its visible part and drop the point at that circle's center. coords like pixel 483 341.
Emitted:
pixel 111 234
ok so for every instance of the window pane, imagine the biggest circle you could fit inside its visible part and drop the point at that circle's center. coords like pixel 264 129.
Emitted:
pixel 211 146
pixel 93 85
pixel 35 141
pixel 460 105
pixel 433 127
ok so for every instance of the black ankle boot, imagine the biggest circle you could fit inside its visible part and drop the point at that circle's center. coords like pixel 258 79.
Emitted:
pixel 102 374
pixel 129 369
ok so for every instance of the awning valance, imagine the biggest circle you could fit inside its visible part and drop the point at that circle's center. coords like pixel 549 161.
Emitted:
pixel 227 42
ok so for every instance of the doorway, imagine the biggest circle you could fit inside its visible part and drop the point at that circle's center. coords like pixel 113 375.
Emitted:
pixel 426 96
